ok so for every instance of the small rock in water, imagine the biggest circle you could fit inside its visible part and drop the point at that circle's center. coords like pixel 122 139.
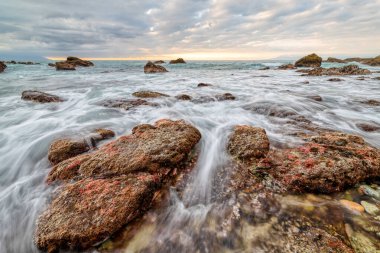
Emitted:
pixel 149 94
pixel 368 127
pixel 2 66
pixel 370 208
pixel 286 66
pixel 203 85
pixel 353 206
pixel 265 68
pixel 315 97
pixel 51 64
pixel 64 66
pixel 183 97
pixel 178 61
pixel 126 104
pixel 372 102
pixel 150 67
pixel 159 62
pixel 225 96
pixel 335 80
pixel 39 96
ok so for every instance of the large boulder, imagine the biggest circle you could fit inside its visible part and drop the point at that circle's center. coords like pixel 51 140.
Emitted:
pixel 149 148
pixel 311 60
pixel 2 66
pixel 345 70
pixel 39 96
pixel 64 66
pixel 148 94
pixel 177 61
pixel 150 67
pixel 79 62
pixel 90 210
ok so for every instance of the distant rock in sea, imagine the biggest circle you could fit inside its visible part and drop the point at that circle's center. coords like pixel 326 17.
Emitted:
pixel 2 66
pixel 311 60
pixel 367 61
pixel 179 60
pixel 335 60
pixel 159 62
pixel 204 85
pixel 64 66
pixel 51 64
pixel 72 62
pixel 286 66
pixel 39 96
pixel 150 67
pixel 346 70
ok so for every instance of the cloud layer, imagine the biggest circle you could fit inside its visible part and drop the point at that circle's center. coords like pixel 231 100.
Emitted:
pixel 252 29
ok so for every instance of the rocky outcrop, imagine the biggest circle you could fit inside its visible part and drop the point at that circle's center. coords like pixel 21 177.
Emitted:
pixel 149 94
pixel 200 85
pixel 179 60
pixel 311 61
pixel 286 66
pixel 2 66
pixel 79 62
pixel 126 104
pixel 64 66
pixel 326 163
pixel 159 62
pixel 346 70
pixel 110 187
pixel 150 67
pixel 64 149
pixel 148 148
pixel 368 61
pixel 39 96
pixel 335 60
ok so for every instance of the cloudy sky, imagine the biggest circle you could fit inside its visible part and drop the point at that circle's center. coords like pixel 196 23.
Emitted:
pixel 194 29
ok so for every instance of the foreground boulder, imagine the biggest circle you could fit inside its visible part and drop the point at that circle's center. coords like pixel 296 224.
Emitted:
pixel 311 60
pixel 150 67
pixel 346 70
pixel 39 96
pixel 326 163
pixel 90 210
pixel 149 94
pixel 64 149
pixel 64 66
pixel 2 66
pixel 178 61
pixel 149 148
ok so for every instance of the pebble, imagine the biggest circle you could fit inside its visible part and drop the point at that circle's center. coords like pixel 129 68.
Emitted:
pixel 353 206
pixel 370 208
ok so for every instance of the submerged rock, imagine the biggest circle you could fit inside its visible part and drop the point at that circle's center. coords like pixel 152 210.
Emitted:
pixel 179 60
pixel 90 210
pixel 225 96
pixel 150 67
pixel 126 104
pixel 335 60
pixel 149 94
pixel 149 148
pixel 311 60
pixel 346 70
pixel 2 66
pixel 287 66
pixel 264 68
pixel 64 66
pixel 315 97
pixel 183 97
pixel 39 96
pixel 335 80
pixel 371 102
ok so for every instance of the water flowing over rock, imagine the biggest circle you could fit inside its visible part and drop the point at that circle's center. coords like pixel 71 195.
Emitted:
pixel 346 70
pixel 148 148
pixel 149 94
pixel 150 67
pixel 311 60
pixel 39 96
pixel 126 104
pixel 287 66
pixel 368 61
pixel 64 66
pixel 178 61
pixel 90 210
pixel 2 66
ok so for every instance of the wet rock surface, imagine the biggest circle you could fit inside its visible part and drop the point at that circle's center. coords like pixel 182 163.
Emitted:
pixel 39 96
pixel 149 94
pixel 2 66
pixel 346 70
pixel 183 97
pixel 336 60
pixel 177 61
pixel 150 67
pixel 287 66
pixel 127 104
pixel 311 60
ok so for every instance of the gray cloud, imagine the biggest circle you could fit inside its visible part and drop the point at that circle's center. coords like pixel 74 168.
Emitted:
pixel 136 28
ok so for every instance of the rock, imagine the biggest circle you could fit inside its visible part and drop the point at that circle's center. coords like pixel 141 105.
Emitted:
pixel 369 191
pixel 203 85
pixel 336 60
pixel 64 149
pixel 78 62
pixel 51 64
pixel 372 102
pixel 287 66
pixel 103 134
pixel 64 66
pixel 183 97
pixel 370 208
pixel 346 70
pixel 126 104
pixel 274 110
pixel 2 66
pixel 248 143
pixel 329 162
pixel 265 68
pixel 311 60
pixel 158 62
pixel 372 62
pixel 11 62
pixel 376 78
pixel 315 97
pixel 353 206
pixel 335 80
pixel 225 96
pixel 90 210
pixel 368 127
pixel 179 60
pixel 149 94
pixel 41 97
pixel 150 67
pixel 149 148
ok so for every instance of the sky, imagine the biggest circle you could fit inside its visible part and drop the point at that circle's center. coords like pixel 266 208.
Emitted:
pixel 192 29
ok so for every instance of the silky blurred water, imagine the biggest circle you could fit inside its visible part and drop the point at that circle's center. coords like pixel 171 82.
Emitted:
pixel 28 128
